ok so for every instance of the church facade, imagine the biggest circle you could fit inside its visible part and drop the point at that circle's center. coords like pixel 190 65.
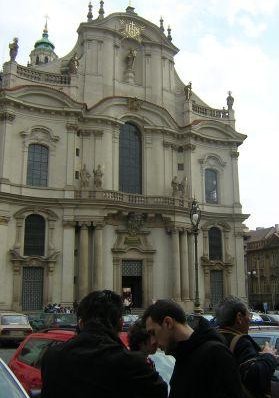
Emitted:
pixel 102 153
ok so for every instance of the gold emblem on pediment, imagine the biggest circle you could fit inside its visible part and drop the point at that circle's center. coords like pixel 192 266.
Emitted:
pixel 131 30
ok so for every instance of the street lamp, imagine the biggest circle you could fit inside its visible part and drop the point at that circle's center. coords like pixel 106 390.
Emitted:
pixel 195 217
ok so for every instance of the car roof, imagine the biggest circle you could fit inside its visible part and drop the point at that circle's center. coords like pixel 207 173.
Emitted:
pixel 11 313
pixel 53 333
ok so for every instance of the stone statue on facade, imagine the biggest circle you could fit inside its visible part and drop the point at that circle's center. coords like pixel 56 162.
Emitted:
pixel 180 188
pixel 184 188
pixel 73 65
pixel 98 177
pixel 130 59
pixel 230 101
pixel 174 185
pixel 13 49
pixel 188 91
pixel 84 177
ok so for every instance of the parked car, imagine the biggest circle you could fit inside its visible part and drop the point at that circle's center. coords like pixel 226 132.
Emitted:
pixel 46 320
pixel 128 320
pixel 193 319
pixel 10 387
pixel 26 361
pixel 269 334
pixel 14 326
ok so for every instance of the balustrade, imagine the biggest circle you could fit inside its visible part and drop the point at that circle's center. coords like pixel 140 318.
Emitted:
pixel 211 112
pixel 43 77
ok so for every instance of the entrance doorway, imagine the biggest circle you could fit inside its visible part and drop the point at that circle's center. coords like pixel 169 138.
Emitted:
pixel 132 280
pixel 32 288
pixel 216 287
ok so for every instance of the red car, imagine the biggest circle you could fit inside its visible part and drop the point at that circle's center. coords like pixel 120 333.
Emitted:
pixel 26 361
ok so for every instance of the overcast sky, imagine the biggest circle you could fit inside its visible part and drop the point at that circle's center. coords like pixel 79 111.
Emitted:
pixel 224 45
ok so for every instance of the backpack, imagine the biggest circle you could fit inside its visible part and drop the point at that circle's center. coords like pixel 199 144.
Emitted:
pixel 245 367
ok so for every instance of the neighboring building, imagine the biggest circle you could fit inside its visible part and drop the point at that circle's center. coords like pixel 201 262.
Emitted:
pixel 262 255
pixel 102 152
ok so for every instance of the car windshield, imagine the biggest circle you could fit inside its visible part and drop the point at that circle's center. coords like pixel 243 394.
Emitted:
pixel 14 320
pixel 8 386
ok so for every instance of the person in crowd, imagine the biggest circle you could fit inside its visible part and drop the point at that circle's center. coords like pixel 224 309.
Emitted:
pixel 204 366
pixel 256 367
pixel 139 340
pixel 95 363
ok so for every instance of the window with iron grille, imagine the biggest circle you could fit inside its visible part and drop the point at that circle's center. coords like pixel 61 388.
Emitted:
pixel 215 244
pixel 34 235
pixel 130 162
pixel 211 188
pixel 37 165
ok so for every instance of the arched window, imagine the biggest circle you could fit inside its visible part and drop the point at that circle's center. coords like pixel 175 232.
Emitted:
pixel 34 235
pixel 130 164
pixel 215 244
pixel 211 187
pixel 37 60
pixel 46 60
pixel 37 166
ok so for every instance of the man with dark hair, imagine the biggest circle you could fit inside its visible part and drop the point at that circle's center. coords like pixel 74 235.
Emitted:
pixel 204 365
pixel 95 363
pixel 256 368
pixel 140 340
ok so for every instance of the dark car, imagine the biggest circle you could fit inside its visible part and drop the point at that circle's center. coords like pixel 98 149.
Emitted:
pixel 47 320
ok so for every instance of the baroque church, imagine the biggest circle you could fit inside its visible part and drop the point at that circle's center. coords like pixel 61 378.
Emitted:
pixel 102 153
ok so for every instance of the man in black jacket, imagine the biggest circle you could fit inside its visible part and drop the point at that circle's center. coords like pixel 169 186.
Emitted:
pixel 256 368
pixel 95 363
pixel 204 365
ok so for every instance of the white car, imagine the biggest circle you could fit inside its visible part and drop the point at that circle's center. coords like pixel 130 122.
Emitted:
pixel 10 387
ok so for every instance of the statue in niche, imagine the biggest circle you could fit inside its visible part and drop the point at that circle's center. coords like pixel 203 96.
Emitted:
pixel 13 49
pixel 84 177
pixel 130 59
pixel 174 185
pixel 188 91
pixel 98 177
pixel 230 101
pixel 73 65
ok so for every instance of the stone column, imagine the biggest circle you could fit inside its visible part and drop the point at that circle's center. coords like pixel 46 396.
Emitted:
pixel 176 287
pixel 83 261
pixel 205 242
pixel 184 266
pixel 3 259
pixel 19 225
pixel 98 257
pixel 191 266
pixel 16 286
pixel 234 156
pixel 71 129
pixel 68 263
pixel 48 292
pixel 117 283
pixel 147 281
pixel 51 226
pixel 207 292
pixel 226 244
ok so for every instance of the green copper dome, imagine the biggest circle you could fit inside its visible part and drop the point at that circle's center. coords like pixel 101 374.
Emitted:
pixel 44 41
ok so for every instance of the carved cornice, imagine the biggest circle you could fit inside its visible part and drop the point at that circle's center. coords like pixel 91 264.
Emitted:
pixel 88 132
pixel 71 127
